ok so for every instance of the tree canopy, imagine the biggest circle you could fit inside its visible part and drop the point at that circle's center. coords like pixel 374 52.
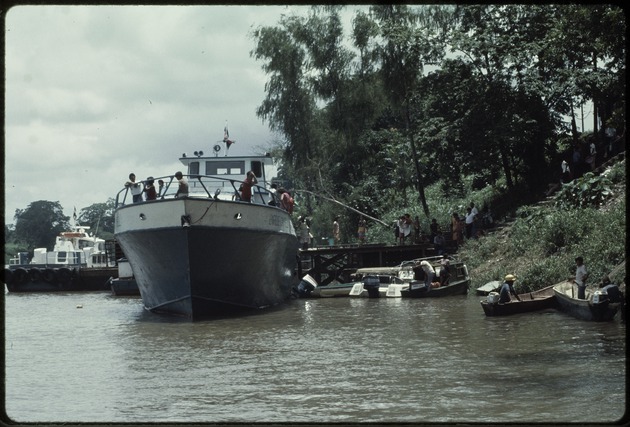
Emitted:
pixel 412 95
pixel 40 222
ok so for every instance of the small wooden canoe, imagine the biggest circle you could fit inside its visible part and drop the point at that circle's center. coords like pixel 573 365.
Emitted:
pixel 584 309
pixel 533 301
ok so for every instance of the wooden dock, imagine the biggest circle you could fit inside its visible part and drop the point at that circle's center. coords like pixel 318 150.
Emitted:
pixel 328 263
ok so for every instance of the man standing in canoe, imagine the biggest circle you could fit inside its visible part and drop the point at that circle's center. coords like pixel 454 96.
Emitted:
pixel 580 277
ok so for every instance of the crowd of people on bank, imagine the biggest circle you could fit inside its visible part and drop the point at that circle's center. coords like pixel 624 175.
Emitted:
pixel 585 156
pixel 468 226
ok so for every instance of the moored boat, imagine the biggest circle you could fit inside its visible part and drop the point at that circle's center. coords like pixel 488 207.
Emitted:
pixel 541 299
pixel 209 253
pixel 125 284
pixel 457 282
pixel 392 282
pixel 79 261
pixel 596 307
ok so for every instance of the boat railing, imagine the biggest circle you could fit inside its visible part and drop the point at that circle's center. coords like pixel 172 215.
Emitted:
pixel 205 186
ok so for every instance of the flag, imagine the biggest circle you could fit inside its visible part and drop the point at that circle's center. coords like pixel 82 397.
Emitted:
pixel 74 215
pixel 226 137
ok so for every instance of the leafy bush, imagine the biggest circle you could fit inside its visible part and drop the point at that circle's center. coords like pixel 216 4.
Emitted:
pixel 616 173
pixel 541 246
pixel 588 190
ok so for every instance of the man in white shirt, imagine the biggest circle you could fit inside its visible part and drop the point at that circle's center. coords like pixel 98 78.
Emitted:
pixel 470 219
pixel 580 277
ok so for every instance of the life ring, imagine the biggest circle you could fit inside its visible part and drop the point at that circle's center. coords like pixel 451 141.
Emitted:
pixel 48 275
pixel 35 274
pixel 20 276
pixel 8 276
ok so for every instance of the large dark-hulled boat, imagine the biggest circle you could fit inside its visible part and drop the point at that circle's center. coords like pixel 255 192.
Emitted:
pixel 209 253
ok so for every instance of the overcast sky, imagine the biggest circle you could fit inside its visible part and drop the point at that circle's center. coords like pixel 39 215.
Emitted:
pixel 96 92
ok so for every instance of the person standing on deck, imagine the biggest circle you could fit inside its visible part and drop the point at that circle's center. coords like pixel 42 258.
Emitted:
pixel 134 187
pixel 246 187
pixel 149 189
pixel 182 189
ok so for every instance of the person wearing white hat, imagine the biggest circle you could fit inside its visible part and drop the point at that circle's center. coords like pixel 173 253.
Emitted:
pixel 508 288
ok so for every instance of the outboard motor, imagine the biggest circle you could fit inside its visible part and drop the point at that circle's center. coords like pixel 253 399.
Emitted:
pixel 613 292
pixel 371 285
pixel 305 287
pixel 600 297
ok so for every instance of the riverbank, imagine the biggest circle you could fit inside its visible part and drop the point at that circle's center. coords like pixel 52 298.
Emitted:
pixel 541 241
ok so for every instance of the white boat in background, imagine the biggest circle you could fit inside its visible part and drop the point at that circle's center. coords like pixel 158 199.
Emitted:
pixel 78 261
pixel 209 253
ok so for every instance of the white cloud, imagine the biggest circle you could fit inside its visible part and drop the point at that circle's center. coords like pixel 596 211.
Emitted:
pixel 96 92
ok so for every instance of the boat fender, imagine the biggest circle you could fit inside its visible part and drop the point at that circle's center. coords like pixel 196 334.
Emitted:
pixel 48 275
pixel 35 274
pixel 20 276
pixel 493 298
pixel 8 276
pixel 64 275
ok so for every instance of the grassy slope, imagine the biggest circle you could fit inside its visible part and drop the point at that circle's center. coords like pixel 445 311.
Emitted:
pixel 540 246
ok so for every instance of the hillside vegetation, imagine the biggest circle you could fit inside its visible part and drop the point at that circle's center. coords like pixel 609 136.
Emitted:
pixel 586 218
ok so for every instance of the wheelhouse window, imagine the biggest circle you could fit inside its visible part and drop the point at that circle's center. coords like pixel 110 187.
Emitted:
pixel 257 168
pixel 193 168
pixel 228 167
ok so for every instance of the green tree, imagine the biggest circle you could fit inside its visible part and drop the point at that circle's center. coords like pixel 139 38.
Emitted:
pixel 406 48
pixel 585 49
pixel 99 217
pixel 39 224
pixel 288 106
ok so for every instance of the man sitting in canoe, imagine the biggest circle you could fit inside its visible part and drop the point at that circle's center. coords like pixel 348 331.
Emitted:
pixel 506 289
